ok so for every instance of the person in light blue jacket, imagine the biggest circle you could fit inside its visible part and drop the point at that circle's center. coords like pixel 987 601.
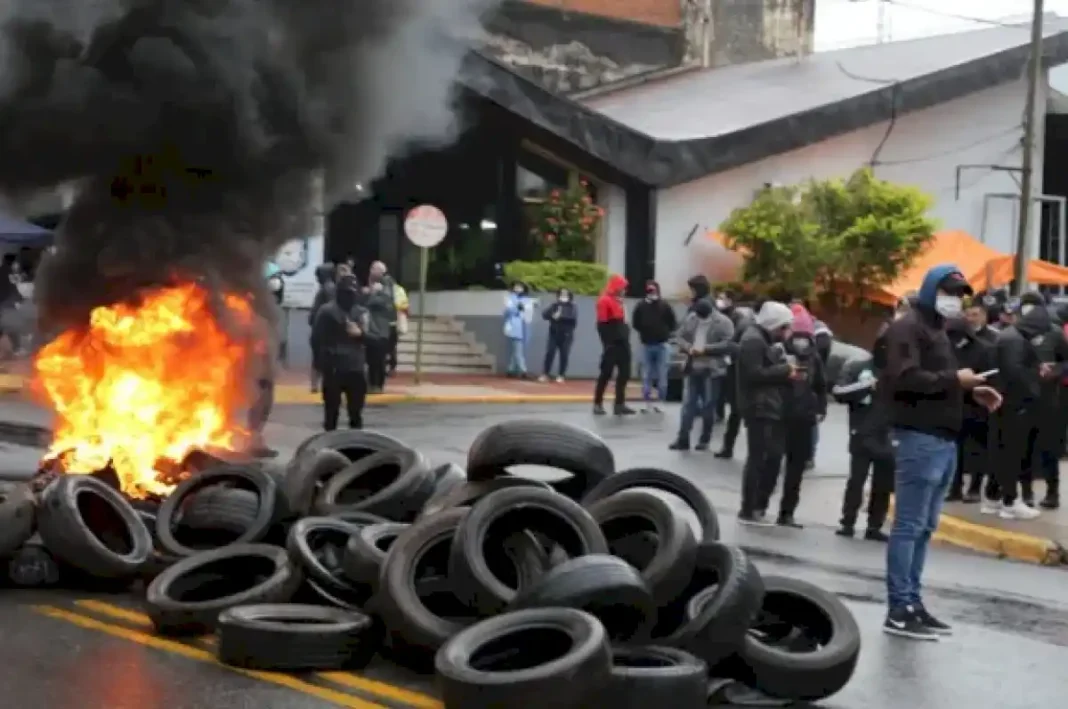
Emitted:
pixel 517 329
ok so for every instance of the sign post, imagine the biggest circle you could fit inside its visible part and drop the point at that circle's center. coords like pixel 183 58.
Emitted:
pixel 426 227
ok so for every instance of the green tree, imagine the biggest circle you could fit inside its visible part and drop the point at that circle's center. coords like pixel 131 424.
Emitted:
pixel 566 224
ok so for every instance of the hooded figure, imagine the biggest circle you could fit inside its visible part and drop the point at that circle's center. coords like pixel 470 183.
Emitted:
pixel 614 332
pixel 923 389
pixel 973 446
pixel 743 317
pixel 700 289
pixel 518 309
pixel 654 321
pixel 338 337
pixel 764 379
pixel 706 338
pixel 324 274
pixel 562 316
pixel 377 298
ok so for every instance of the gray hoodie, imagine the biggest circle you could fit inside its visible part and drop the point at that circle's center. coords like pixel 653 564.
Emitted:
pixel 713 335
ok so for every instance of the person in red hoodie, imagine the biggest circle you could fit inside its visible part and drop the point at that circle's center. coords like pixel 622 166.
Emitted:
pixel 614 332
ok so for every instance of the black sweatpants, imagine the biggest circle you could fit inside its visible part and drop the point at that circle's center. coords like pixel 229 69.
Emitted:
pixel 796 452
pixel 972 456
pixel 377 351
pixel 734 426
pixel 558 344
pixel 1048 444
pixel 1019 433
pixel 351 385
pixel 614 359
pixel 391 358
pixel 881 469
pixel 766 443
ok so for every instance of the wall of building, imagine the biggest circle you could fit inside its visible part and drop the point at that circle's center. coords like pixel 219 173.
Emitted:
pixel 924 149
pixel 665 13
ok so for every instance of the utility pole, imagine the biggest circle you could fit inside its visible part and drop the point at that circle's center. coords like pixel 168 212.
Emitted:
pixel 1023 236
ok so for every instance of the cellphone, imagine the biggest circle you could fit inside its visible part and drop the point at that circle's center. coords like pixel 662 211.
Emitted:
pixel 988 373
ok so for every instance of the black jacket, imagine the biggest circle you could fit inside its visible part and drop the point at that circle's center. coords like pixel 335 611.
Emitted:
pixel 869 425
pixel 763 375
pixel 334 349
pixel 920 385
pixel 1052 348
pixel 1019 362
pixel 563 327
pixel 654 321
pixel 742 317
pixel 805 400
pixel 975 354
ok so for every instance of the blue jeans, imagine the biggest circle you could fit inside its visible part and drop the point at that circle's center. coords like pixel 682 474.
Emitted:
pixel 517 357
pixel 699 401
pixel 925 466
pixel 655 360
pixel 815 440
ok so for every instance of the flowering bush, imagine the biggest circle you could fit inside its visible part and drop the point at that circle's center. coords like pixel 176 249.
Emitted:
pixel 565 225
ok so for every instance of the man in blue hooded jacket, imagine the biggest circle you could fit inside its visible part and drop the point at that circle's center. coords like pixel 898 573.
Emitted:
pixel 923 391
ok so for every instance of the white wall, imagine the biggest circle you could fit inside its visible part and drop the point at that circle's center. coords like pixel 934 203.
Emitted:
pixel 923 149
pixel 613 200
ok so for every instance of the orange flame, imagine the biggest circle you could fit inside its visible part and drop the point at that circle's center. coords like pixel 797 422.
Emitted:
pixel 144 385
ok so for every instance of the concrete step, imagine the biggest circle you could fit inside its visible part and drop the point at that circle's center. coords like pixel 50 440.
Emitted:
pixel 434 337
pixel 432 325
pixel 452 359
pixel 444 369
pixel 458 346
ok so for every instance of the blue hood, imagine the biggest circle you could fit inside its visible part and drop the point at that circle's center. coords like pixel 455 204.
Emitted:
pixel 929 289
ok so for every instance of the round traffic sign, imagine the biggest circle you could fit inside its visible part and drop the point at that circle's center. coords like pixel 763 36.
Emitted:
pixel 426 226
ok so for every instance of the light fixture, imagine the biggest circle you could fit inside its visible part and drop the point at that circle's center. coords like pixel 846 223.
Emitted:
pixel 488 225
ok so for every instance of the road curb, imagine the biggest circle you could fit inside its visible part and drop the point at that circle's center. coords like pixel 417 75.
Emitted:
pixel 1003 543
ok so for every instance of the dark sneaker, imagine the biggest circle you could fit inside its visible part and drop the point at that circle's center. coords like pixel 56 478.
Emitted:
pixel 723 454
pixel 845 531
pixel 753 519
pixel 904 623
pixel 1050 503
pixel 789 521
pixel 701 446
pixel 623 411
pixel 955 496
pixel 679 446
pixel 598 410
pixel 876 535
pixel 931 623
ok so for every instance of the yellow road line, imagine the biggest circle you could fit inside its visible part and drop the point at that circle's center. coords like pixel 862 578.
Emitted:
pixel 346 679
pixel 192 653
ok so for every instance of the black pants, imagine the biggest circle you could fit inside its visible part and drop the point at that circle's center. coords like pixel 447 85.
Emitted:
pixel 261 408
pixel 557 344
pixel 1048 445
pixel 351 385
pixel 730 435
pixel 766 443
pixel 391 358
pixel 796 452
pixel 614 359
pixel 972 456
pixel 1019 433
pixel 882 485
pixel 377 352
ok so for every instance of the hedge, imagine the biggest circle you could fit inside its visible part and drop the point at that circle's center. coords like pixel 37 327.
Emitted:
pixel 579 277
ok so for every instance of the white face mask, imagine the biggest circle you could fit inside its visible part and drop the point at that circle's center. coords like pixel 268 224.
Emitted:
pixel 948 306
pixel 721 304
pixel 1025 309
pixel 565 299
pixel 801 345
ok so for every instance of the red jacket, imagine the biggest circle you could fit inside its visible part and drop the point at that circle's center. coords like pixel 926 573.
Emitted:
pixel 611 316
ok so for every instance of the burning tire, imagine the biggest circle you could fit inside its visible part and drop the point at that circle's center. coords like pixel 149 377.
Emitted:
pixel 17 509
pixel 91 527
pixel 556 445
pixel 394 484
pixel 317 545
pixel 254 478
pixel 293 637
pixel 220 509
pixel 558 655
pixel 188 597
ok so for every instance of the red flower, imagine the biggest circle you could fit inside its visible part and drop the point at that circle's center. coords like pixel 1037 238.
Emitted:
pixel 550 238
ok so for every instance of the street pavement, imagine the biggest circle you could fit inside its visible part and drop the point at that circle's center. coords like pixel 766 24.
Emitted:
pixel 1011 618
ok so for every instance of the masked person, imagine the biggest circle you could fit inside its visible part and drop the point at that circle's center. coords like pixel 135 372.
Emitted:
pixel 517 312
pixel 764 378
pixel 614 332
pixel 338 335
pixel 706 338
pixel 562 316
pixel 724 302
pixel 324 274
pixel 266 349
pixel 378 302
pixel 923 388
pixel 398 303
pixel 804 405
pixel 655 322
pixel 742 317
pixel 972 445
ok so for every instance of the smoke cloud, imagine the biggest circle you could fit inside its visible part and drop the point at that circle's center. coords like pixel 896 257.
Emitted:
pixel 194 129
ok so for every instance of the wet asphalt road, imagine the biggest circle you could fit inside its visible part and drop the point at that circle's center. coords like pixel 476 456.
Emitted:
pixel 1009 650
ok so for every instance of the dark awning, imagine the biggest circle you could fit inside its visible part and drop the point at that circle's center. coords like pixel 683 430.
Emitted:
pixel 20 233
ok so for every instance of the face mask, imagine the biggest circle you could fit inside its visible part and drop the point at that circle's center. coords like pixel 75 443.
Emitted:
pixel 565 299
pixel 1025 309
pixel 517 291
pixel 722 304
pixel 652 297
pixel 948 306
pixel 801 345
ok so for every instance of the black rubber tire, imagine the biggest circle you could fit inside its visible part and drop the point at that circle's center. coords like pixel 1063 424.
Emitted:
pixel 645 677
pixel 353 444
pixel 669 571
pixel 366 551
pixel 18 508
pixel 311 593
pixel 358 518
pixel 714 628
pixel 562 679
pixel 447 477
pixel 360 486
pixel 220 509
pixel 174 616
pixel 665 481
pixel 410 624
pixel 558 519
pixel 606 587
pixel 304 477
pixel 471 492
pixel 76 541
pixel 33 566
pixel 803 676
pixel 549 443
pixel 253 477
pixel 303 554
pixel 292 637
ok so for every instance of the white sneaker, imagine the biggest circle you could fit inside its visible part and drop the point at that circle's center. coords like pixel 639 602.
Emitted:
pixel 989 507
pixel 559 380
pixel 1019 511
pixel 543 379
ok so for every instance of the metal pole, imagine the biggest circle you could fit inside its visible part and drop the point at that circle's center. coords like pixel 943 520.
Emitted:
pixel 424 266
pixel 1023 239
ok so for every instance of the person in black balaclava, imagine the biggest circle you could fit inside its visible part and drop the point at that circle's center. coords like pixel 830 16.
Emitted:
pixel 979 355
pixel 324 274
pixel 338 337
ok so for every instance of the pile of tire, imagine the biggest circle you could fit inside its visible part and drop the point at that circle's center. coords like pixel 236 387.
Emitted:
pixel 585 590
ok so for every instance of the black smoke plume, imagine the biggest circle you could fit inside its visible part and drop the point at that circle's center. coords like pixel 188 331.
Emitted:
pixel 193 131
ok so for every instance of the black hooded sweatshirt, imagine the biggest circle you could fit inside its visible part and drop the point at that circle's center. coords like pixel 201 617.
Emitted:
pixel 654 320
pixel 325 275
pixel 334 349
pixel 976 354
pixel 1019 362
pixel 701 289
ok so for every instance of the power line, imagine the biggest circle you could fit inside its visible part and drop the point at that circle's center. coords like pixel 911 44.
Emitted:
pixel 959 149
pixel 955 16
